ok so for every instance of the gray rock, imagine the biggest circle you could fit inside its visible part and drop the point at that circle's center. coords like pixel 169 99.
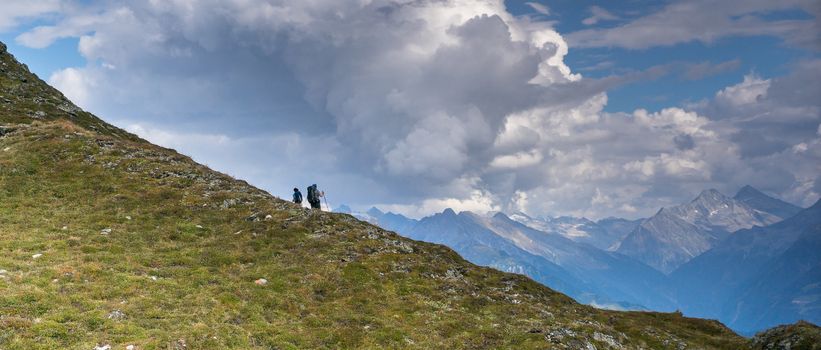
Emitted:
pixel 229 203
pixel 116 315
pixel 607 339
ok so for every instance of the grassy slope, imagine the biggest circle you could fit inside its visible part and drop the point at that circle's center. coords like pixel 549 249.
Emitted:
pixel 181 270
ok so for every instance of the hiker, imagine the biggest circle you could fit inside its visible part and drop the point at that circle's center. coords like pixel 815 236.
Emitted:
pixel 297 196
pixel 314 197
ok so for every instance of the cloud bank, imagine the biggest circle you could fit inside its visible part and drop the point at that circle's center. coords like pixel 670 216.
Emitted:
pixel 418 105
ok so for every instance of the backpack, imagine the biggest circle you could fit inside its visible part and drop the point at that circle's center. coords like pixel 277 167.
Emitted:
pixel 312 198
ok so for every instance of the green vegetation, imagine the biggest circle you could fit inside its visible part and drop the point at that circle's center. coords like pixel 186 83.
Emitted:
pixel 106 239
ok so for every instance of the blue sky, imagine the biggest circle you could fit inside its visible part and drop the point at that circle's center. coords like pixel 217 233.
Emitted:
pixel 439 107
pixel 762 55
pixel 43 62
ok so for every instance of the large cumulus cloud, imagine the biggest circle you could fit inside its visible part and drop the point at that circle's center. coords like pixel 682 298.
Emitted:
pixel 415 105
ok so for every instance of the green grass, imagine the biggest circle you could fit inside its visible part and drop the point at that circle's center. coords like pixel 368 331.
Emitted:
pixel 179 265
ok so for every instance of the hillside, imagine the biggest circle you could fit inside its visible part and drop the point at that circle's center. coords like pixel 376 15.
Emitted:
pixel 106 239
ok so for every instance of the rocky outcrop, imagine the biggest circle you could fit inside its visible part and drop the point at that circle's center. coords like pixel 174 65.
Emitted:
pixel 799 336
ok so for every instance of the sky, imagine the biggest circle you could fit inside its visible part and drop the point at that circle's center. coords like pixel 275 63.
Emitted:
pixel 551 108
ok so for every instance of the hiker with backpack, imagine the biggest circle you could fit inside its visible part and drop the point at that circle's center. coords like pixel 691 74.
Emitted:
pixel 314 196
pixel 297 196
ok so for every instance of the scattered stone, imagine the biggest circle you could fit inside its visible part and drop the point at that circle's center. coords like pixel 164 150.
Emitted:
pixel 6 149
pixel 36 256
pixel 199 226
pixel 105 231
pixel 64 228
pixel 153 278
pixel 372 234
pixel 607 339
pixel 130 347
pixel 102 347
pixel 180 344
pixel 453 274
pixel 228 203
pixel 238 232
pixel 105 143
pixel 127 217
pixel 261 282
pixel 404 247
pixel 3 272
pixel 116 315
pixel 4 130
pixel 55 280
pixel 268 217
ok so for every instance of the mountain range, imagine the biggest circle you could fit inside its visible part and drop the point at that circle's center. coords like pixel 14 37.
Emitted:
pixel 758 277
pixel 677 234
pixel 603 234
pixel 697 257
pixel 586 273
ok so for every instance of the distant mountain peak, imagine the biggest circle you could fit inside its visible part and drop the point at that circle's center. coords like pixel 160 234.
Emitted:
pixel 448 212
pixel 343 208
pixel 711 195
pixel 373 211
pixel 748 192
pixel 748 189
pixel 760 201
pixel 501 215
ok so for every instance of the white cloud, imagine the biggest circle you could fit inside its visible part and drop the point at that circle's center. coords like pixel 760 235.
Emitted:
pixel 478 202
pixel 599 14
pixel 74 84
pixel 705 21
pixel 540 8
pixel 517 160
pixel 16 10
pixel 748 91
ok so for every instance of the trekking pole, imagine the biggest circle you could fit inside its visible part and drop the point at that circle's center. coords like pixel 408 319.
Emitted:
pixel 326 201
